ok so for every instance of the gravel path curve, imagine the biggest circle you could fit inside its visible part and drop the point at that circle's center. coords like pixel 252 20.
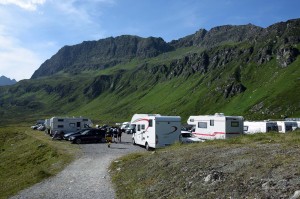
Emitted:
pixel 87 177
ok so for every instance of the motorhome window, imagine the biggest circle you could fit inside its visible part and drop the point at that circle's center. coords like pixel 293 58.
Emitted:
pixel 234 124
pixel 245 128
pixel 143 126
pixel 191 120
pixel 202 125
pixel 60 126
pixel 150 123
pixel 212 122
pixel 85 120
pixel 72 124
pixel 60 120
pixel 139 127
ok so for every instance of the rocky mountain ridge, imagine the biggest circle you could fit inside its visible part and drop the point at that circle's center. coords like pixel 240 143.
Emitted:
pixel 244 70
pixel 97 55
pixel 6 81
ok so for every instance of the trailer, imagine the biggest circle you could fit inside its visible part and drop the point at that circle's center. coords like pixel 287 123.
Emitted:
pixel 68 124
pixel 154 130
pixel 286 126
pixel 251 127
pixel 216 126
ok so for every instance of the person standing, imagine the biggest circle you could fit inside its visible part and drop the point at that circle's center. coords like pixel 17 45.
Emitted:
pixel 119 134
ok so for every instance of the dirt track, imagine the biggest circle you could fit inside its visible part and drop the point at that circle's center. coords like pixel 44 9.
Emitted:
pixel 86 177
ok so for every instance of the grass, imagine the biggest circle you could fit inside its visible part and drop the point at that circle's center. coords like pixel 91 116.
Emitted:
pixel 237 168
pixel 28 157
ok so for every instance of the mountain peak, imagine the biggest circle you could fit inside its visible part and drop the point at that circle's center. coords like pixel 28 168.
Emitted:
pixel 6 81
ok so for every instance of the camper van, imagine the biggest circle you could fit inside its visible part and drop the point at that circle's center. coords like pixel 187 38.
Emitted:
pixel 69 124
pixel 154 130
pixel 286 126
pixel 251 127
pixel 297 120
pixel 216 126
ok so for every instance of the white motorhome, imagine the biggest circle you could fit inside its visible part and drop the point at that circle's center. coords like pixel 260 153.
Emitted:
pixel 286 126
pixel 69 124
pixel 154 130
pixel 216 126
pixel 251 127
pixel 294 120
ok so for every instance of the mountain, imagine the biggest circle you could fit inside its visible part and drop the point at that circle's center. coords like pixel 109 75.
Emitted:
pixel 93 55
pixel 238 70
pixel 6 81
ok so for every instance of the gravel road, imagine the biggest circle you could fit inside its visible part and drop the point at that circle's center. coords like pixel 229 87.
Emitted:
pixel 87 177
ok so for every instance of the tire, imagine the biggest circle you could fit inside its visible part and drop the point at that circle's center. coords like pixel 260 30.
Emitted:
pixel 133 141
pixel 78 141
pixel 147 147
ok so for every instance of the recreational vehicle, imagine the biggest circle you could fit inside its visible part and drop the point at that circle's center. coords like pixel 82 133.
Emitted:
pixel 216 126
pixel 69 124
pixel 297 120
pixel 251 127
pixel 154 130
pixel 286 126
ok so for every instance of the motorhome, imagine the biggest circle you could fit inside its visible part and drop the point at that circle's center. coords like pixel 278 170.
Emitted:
pixel 155 130
pixel 216 126
pixel 69 124
pixel 251 127
pixel 286 126
pixel 297 120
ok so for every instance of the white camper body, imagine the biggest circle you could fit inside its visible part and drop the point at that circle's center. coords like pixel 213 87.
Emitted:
pixel 251 127
pixel 286 126
pixel 297 120
pixel 69 124
pixel 216 126
pixel 47 123
pixel 154 130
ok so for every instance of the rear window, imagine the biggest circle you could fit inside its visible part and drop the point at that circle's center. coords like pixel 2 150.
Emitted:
pixel 235 124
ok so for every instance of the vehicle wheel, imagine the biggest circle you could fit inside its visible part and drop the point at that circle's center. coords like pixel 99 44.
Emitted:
pixel 133 141
pixel 78 141
pixel 147 146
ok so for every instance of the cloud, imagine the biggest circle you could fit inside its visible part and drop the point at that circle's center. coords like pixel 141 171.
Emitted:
pixel 30 5
pixel 16 61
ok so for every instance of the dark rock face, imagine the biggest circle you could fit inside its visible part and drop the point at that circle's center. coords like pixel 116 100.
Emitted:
pixel 6 81
pixel 91 55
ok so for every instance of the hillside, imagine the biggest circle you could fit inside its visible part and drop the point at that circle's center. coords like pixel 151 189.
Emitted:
pixel 241 70
pixel 249 166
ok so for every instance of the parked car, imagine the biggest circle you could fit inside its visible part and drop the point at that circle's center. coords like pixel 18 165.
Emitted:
pixel 68 135
pixel 130 129
pixel 188 137
pixel 90 135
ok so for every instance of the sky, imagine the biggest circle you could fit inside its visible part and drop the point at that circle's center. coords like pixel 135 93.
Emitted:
pixel 32 31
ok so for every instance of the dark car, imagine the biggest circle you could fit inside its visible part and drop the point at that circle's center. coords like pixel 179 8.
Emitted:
pixel 90 135
pixel 68 135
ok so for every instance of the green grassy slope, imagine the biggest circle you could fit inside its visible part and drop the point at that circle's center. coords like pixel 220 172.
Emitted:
pixel 151 86
pixel 249 166
pixel 28 156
